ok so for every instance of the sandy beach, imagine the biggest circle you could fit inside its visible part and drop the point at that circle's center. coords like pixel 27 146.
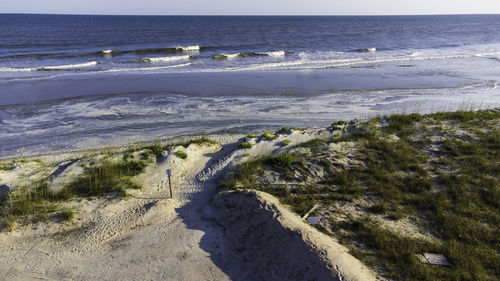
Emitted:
pixel 199 234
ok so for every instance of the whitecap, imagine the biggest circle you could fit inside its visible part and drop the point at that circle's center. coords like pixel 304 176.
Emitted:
pixel 275 54
pixel 148 68
pixel 68 66
pixel 164 59
pixel 226 56
pixel 189 49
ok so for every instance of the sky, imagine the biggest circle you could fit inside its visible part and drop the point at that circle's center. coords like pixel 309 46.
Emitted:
pixel 252 7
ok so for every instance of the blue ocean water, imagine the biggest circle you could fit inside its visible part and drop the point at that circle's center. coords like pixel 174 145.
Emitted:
pixel 37 45
pixel 70 81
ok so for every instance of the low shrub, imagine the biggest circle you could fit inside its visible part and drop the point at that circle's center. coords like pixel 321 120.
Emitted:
pixel 245 145
pixel 181 154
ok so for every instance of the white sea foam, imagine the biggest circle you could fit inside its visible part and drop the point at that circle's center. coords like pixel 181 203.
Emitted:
pixel 107 52
pixel 164 59
pixel 332 63
pixel 231 56
pixel 56 67
pixel 68 66
pixel 320 55
pixel 189 49
pixel 486 54
pixel 368 50
pixel 276 54
pixel 225 56
pixel 12 69
pixel 148 68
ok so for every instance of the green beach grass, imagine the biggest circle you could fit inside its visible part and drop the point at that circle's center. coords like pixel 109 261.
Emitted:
pixel 35 202
pixel 439 172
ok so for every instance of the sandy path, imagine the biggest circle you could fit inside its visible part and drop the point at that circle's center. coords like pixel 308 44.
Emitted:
pixel 153 237
pixel 134 239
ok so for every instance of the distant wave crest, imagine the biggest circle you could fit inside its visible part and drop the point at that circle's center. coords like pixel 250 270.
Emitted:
pixel 164 59
pixel 248 54
pixel 68 66
pixel 189 49
pixel 148 68
pixel 227 56
pixel 366 50
pixel 49 68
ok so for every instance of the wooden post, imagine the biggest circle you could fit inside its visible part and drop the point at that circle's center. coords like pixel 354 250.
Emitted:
pixel 169 173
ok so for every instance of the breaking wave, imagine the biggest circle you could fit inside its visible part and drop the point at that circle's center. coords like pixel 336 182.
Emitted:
pixel 48 68
pixel 148 68
pixel 164 59
pixel 67 66
pixel 228 56
pixel 366 50
pixel 276 54
pixel 189 49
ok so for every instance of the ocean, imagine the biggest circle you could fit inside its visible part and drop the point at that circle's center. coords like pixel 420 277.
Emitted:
pixel 75 81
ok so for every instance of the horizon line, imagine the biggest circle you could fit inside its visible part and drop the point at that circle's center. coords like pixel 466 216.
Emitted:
pixel 251 15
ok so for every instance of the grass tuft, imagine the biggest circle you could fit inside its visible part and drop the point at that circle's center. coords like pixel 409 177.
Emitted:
pixel 107 177
pixel 4 166
pixel 67 214
pixel 268 135
pixel 283 161
pixel 245 145
pixel 181 154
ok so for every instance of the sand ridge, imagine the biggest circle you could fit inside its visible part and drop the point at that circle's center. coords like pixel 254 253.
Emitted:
pixel 152 237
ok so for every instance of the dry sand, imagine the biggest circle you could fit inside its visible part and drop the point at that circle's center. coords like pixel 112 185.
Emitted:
pixel 198 235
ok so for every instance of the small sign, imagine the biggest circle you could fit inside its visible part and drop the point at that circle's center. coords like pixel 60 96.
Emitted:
pixel 314 220
pixel 169 172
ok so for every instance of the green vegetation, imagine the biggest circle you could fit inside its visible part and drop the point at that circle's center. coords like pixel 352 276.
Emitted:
pixel 285 142
pixel 181 154
pixel 287 130
pixel 245 145
pixel 251 136
pixel 283 161
pixel 268 135
pixel 283 130
pixel 4 166
pixel 35 204
pixel 39 203
pixel 109 176
pixel 67 214
pixel 157 148
pixel 440 171
pixel 312 143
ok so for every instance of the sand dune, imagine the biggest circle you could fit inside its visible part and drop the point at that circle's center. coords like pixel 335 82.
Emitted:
pixel 197 235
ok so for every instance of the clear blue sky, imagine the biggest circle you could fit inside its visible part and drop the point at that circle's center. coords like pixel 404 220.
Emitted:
pixel 252 7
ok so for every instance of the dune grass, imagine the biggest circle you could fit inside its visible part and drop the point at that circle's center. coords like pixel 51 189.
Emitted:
pixel 157 148
pixel 107 177
pixel 37 202
pixel 181 154
pixel 6 166
pixel 268 135
pixel 441 169
pixel 285 142
pixel 245 145
pixel 34 205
